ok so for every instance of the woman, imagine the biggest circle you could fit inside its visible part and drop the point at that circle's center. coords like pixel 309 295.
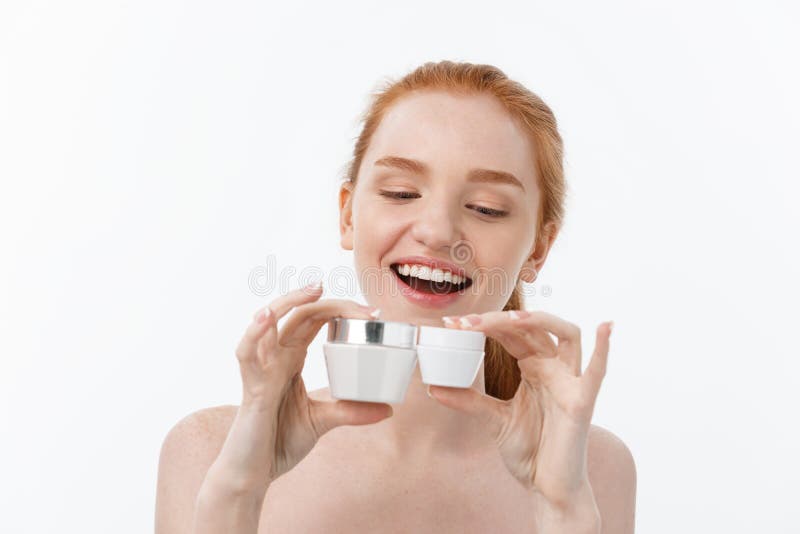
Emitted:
pixel 460 168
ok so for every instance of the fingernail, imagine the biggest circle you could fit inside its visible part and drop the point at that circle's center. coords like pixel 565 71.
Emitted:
pixel 610 327
pixel 520 314
pixel 428 389
pixel 371 310
pixel 513 314
pixel 265 313
pixel 448 321
pixel 314 286
pixel 470 320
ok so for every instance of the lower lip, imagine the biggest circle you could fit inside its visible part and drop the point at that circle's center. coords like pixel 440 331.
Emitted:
pixel 428 300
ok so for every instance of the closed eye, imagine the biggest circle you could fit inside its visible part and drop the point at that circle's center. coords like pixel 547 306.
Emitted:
pixel 405 195
pixel 489 211
pixel 399 194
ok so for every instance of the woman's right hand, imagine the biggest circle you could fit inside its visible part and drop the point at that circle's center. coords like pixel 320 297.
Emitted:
pixel 277 423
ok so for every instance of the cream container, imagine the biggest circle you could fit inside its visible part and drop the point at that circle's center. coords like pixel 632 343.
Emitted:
pixel 449 357
pixel 369 360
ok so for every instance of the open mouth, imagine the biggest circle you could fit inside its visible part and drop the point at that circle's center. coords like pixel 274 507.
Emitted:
pixel 430 281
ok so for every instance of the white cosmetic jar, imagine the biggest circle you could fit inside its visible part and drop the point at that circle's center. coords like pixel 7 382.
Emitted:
pixel 449 357
pixel 369 360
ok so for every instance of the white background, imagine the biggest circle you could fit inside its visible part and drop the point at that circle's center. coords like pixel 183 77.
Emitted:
pixel 153 154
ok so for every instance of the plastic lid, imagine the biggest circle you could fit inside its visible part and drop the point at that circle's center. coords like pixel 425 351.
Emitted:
pixel 434 336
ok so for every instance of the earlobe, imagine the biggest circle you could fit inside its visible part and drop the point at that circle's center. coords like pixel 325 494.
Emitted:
pixel 346 215
pixel 532 266
pixel 530 269
pixel 528 274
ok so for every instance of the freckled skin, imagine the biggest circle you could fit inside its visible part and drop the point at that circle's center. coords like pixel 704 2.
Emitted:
pixel 429 467
pixel 451 135
pixel 448 494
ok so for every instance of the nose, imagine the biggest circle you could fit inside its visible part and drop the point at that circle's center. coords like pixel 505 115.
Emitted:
pixel 436 225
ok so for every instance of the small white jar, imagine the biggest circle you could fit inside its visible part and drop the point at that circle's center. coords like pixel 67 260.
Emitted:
pixel 369 360
pixel 449 357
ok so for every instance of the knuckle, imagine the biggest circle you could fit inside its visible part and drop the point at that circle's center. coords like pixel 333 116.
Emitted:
pixel 268 311
pixel 535 316
pixel 327 308
pixel 265 352
pixel 307 307
pixel 574 330
pixel 307 292
pixel 243 355
pixel 578 406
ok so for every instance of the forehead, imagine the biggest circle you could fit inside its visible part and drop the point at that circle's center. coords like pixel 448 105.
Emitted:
pixel 452 132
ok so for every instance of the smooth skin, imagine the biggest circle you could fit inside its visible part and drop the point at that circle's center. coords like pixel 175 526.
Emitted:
pixel 537 463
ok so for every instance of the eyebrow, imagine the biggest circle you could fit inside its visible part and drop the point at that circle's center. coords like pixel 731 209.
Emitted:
pixel 474 175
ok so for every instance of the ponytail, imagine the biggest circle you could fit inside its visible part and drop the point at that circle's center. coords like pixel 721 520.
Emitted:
pixel 500 369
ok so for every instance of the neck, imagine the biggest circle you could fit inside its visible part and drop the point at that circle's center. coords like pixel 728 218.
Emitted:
pixel 420 425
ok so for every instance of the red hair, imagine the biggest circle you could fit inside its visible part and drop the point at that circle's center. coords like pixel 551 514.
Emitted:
pixel 501 373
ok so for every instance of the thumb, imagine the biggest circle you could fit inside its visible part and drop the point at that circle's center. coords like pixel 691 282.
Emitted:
pixel 327 415
pixel 487 409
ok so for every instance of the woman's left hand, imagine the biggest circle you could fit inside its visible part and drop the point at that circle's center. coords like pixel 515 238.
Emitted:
pixel 542 432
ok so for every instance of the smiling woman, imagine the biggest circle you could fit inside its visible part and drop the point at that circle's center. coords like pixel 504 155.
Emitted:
pixel 463 154
pixel 456 193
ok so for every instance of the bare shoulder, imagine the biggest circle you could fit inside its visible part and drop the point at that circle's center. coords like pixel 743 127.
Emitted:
pixel 204 422
pixel 603 441
pixel 187 452
pixel 612 474
pixel 199 434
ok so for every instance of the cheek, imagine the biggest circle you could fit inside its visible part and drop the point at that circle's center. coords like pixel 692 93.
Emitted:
pixel 494 245
pixel 497 255
pixel 374 233
pixel 497 270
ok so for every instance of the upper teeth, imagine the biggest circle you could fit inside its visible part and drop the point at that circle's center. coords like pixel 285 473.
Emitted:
pixel 426 273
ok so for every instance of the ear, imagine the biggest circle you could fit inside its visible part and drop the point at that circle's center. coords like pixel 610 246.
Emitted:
pixel 535 262
pixel 346 214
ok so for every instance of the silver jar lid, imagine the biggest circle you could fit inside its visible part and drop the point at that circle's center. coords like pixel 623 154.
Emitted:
pixel 371 332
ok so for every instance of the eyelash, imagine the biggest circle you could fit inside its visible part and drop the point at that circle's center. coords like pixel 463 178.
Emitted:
pixel 398 194
pixel 405 195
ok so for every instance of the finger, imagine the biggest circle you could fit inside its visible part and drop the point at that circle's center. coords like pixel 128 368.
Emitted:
pixel 596 370
pixel 451 321
pixel 283 304
pixel 513 322
pixel 327 415
pixel 568 334
pixel 263 330
pixel 512 329
pixel 545 372
pixel 269 339
pixel 489 410
pixel 511 343
pixel 304 323
pixel 247 348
